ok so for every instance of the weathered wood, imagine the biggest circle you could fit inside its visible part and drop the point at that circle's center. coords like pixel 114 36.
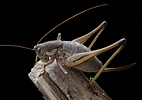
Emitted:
pixel 53 84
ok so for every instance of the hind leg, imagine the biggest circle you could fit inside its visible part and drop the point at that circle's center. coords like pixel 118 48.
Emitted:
pixel 79 58
pixel 108 61
pixel 66 73
pixel 84 38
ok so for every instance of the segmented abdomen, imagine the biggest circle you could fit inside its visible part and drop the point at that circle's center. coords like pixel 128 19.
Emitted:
pixel 68 48
pixel 74 47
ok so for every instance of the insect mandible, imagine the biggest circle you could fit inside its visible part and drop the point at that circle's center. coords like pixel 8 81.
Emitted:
pixel 74 54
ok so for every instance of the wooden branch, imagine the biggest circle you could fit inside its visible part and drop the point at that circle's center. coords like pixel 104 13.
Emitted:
pixel 53 84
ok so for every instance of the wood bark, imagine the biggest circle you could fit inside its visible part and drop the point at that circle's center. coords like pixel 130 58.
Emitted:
pixel 52 83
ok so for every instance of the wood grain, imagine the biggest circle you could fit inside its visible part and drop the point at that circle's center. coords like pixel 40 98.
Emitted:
pixel 53 84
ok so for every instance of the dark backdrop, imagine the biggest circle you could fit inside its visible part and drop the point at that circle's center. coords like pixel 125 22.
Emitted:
pixel 24 23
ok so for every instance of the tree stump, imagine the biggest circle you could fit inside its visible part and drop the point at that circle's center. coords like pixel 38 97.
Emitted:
pixel 53 83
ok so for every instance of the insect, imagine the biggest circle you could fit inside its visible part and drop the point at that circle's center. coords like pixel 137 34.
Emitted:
pixel 74 54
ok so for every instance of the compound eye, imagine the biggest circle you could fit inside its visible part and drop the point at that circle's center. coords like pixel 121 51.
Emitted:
pixel 38 50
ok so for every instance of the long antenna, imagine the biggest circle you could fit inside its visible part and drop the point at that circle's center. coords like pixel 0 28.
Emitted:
pixel 17 46
pixel 69 19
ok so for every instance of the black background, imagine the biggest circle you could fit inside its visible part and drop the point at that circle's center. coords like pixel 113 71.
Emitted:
pixel 24 23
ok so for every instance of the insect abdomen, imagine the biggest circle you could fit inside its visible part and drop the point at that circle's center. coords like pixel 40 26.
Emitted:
pixel 74 47
pixel 70 48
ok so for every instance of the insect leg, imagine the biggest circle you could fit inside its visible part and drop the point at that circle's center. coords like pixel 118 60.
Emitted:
pixel 36 59
pixel 119 68
pixel 63 70
pixel 66 73
pixel 84 38
pixel 59 36
pixel 79 58
pixel 103 25
pixel 108 61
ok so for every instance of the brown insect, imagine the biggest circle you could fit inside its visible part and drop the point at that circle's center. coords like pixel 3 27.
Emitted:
pixel 74 54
